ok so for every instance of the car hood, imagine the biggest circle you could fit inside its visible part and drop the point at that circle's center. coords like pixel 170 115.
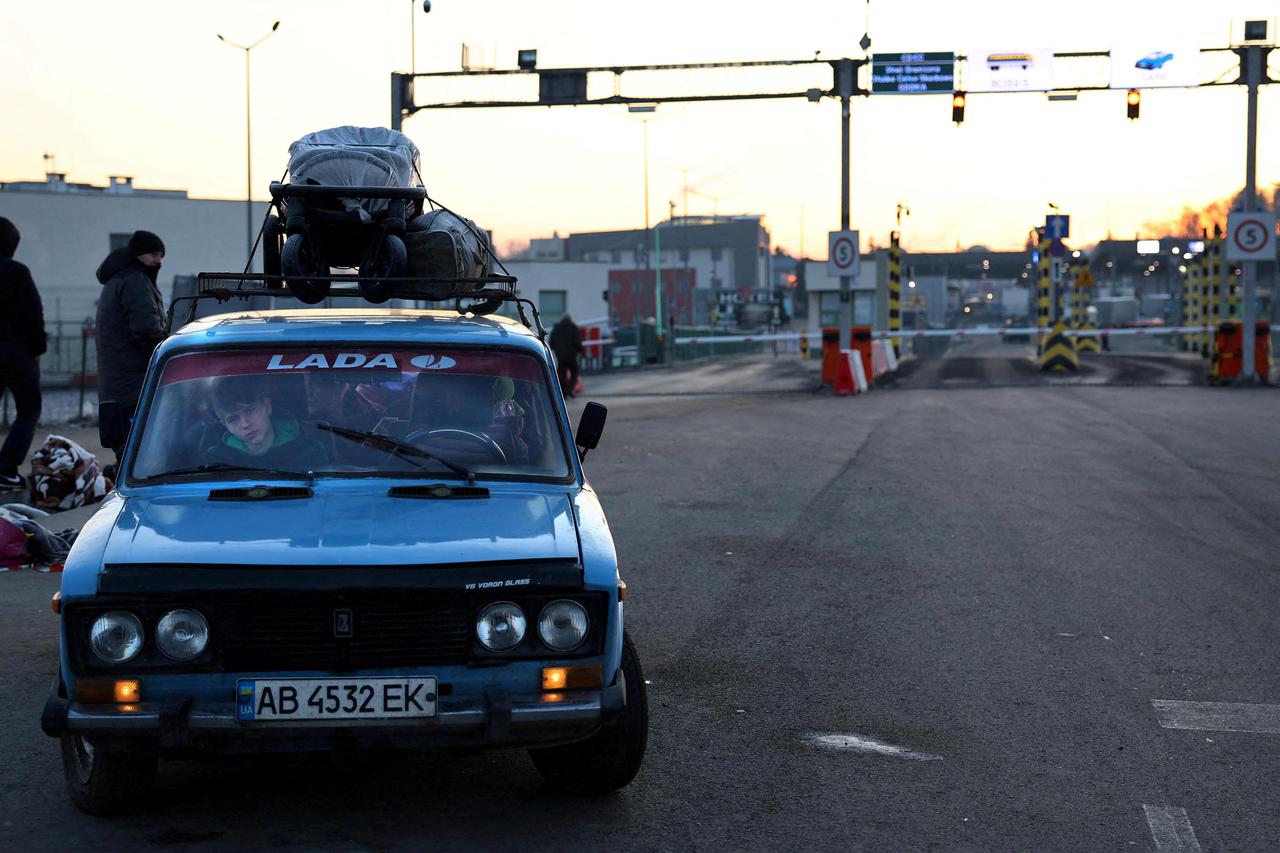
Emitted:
pixel 342 530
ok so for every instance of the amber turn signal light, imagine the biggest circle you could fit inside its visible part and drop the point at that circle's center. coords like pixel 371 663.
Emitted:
pixel 56 604
pixel 108 692
pixel 571 677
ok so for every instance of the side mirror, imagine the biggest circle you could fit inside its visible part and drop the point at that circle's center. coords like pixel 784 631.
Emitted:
pixel 590 427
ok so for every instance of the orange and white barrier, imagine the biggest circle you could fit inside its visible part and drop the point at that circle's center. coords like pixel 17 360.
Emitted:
pixel 879 364
pixel 851 378
pixel 889 356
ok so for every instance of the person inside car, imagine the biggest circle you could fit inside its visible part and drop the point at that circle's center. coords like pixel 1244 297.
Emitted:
pixel 333 400
pixel 257 435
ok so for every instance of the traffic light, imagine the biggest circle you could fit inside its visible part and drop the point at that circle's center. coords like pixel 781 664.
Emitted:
pixel 1133 101
pixel 957 106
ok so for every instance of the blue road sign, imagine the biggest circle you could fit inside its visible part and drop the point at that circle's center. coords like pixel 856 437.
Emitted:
pixel 1057 226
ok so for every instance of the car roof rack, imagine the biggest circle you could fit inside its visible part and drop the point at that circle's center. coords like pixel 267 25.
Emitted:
pixel 478 296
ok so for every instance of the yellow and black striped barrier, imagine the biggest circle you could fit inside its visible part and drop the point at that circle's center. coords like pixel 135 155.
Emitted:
pixel 1087 337
pixel 1042 291
pixel 1059 352
pixel 1202 299
pixel 1216 270
pixel 895 289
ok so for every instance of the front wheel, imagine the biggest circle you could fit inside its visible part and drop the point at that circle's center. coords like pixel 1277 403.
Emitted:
pixel 609 759
pixel 110 778
pixel 296 262
pixel 389 261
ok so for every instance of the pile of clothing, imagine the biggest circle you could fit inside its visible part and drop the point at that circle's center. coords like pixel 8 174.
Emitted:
pixel 26 542
pixel 64 475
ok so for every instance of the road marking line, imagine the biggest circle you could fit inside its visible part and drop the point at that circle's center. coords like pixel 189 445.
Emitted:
pixel 1218 716
pixel 1171 829
pixel 861 743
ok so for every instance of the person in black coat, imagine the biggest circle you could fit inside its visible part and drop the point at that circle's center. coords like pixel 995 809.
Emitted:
pixel 22 341
pixel 566 343
pixel 130 323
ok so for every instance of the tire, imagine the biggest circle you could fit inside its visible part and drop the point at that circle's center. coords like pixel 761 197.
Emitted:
pixel 105 781
pixel 271 233
pixel 296 263
pixel 389 262
pixel 609 759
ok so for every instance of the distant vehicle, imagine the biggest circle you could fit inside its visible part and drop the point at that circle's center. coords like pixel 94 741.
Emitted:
pixel 1015 338
pixel 996 61
pixel 1153 60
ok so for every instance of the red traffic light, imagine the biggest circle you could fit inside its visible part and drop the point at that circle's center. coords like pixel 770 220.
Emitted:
pixel 957 106
pixel 1133 103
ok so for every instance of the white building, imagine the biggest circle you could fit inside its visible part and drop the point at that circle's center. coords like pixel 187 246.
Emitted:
pixel 68 229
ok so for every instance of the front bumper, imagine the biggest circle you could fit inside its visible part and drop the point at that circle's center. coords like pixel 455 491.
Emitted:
pixel 498 719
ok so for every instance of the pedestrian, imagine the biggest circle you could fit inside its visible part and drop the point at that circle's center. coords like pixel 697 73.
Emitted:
pixel 130 324
pixel 22 342
pixel 566 343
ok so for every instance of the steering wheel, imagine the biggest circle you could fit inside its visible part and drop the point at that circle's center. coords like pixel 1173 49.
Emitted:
pixel 489 446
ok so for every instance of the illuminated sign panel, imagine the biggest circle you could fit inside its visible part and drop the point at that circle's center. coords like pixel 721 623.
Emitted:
pixel 912 73
pixel 1153 65
pixel 1012 70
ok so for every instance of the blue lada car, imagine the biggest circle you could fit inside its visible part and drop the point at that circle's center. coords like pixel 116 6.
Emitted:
pixel 347 529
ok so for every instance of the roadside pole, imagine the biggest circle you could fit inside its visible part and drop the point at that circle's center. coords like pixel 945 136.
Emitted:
pixel 1252 56
pixel 895 288
pixel 1042 290
pixel 846 282
pixel 657 292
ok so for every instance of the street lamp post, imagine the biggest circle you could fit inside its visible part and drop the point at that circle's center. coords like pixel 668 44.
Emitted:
pixel 649 108
pixel 413 32
pixel 248 134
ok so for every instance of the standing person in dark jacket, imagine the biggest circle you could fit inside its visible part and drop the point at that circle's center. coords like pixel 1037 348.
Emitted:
pixel 566 343
pixel 22 341
pixel 130 324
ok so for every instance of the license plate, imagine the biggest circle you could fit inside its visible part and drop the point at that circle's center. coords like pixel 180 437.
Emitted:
pixel 260 700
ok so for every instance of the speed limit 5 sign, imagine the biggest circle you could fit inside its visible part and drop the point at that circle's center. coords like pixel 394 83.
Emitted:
pixel 1251 236
pixel 842 254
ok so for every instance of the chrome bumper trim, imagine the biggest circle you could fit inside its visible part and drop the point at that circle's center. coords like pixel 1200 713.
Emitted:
pixel 99 719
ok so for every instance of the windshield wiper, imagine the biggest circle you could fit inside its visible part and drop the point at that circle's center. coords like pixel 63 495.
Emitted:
pixel 395 447
pixel 222 467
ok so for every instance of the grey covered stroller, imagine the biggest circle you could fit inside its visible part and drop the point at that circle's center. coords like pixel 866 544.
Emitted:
pixel 355 200
pixel 351 193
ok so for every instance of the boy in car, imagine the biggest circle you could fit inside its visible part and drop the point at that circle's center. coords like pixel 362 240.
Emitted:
pixel 257 436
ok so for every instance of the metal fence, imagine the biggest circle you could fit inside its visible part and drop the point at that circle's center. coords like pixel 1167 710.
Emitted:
pixel 72 354
pixel 634 346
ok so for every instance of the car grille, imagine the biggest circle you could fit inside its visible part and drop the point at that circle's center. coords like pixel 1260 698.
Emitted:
pixel 269 631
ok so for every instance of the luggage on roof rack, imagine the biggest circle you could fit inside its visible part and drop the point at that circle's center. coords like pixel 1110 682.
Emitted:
pixel 355 201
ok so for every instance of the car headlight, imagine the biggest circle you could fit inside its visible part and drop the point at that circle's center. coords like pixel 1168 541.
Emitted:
pixel 116 637
pixel 182 634
pixel 501 626
pixel 563 625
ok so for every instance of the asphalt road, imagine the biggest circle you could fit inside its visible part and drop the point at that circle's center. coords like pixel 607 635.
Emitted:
pixel 982 598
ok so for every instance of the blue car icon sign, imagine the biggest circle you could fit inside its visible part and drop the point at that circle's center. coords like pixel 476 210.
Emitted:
pixel 1154 60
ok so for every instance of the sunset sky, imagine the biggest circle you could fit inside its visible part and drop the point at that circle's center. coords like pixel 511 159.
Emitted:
pixel 144 88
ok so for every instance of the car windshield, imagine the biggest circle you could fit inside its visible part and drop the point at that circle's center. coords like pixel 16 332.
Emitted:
pixel 320 410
